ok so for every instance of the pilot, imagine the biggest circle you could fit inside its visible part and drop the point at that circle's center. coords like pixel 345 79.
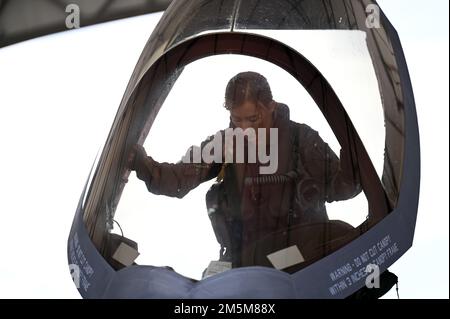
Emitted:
pixel 247 207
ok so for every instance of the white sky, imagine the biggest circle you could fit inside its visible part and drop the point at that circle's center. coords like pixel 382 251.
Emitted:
pixel 58 103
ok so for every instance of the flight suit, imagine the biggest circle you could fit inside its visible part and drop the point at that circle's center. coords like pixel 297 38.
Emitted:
pixel 256 206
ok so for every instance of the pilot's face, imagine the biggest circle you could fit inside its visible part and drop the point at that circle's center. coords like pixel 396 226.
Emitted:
pixel 251 115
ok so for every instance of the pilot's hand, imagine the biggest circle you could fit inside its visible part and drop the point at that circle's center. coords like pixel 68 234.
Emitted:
pixel 137 154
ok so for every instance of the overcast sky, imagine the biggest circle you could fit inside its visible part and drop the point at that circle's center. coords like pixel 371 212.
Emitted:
pixel 60 93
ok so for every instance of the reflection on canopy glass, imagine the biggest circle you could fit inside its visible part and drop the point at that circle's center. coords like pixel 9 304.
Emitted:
pixel 306 204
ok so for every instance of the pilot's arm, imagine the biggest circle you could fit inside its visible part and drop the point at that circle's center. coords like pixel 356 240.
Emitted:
pixel 338 177
pixel 174 180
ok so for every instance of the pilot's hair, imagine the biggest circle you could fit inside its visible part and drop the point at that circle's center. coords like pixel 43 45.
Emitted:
pixel 247 86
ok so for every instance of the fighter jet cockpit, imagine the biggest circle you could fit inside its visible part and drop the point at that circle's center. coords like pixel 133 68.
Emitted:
pixel 262 149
